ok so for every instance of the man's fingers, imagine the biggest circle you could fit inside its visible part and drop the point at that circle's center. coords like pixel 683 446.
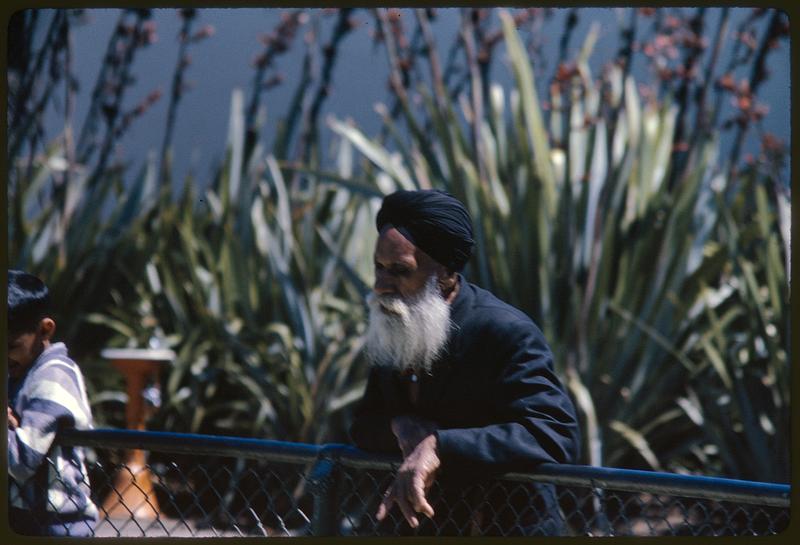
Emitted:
pixel 410 497
pixel 408 492
pixel 418 499
pixel 407 511
pixel 381 511
pixel 386 504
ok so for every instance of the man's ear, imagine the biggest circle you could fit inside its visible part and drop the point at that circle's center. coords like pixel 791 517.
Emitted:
pixel 47 328
pixel 447 279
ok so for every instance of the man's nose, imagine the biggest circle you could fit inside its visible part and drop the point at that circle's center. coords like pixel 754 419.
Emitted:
pixel 383 285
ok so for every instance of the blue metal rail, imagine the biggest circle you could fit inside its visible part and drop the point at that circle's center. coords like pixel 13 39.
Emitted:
pixel 329 492
pixel 631 480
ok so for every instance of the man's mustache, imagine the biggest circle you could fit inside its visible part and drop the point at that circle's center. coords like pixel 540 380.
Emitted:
pixel 392 304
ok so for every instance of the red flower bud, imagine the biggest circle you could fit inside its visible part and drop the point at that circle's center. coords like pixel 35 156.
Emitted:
pixel 266 39
pixel 206 32
pixel 771 143
pixel 744 103
pixel 726 82
pixel 672 22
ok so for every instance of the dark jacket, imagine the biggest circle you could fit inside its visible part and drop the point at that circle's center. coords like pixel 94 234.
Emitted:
pixel 494 395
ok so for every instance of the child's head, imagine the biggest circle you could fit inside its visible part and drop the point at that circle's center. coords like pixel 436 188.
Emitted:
pixel 30 325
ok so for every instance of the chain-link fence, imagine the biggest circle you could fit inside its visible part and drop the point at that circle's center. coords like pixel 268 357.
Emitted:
pixel 193 485
pixel 564 500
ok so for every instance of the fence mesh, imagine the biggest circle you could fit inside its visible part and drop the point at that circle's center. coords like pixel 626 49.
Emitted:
pixel 189 495
pixel 203 496
pixel 508 508
pixel 196 496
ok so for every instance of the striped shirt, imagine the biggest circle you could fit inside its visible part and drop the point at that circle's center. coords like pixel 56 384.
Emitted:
pixel 46 478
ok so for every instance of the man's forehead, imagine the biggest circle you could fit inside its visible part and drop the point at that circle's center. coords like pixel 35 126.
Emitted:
pixel 393 242
pixel 389 258
pixel 393 247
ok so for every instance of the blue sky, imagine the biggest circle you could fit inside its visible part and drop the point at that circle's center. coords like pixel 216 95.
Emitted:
pixel 223 63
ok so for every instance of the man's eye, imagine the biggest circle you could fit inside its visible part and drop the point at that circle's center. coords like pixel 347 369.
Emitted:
pixel 396 271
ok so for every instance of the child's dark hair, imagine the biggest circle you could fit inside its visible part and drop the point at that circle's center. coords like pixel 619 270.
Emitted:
pixel 28 302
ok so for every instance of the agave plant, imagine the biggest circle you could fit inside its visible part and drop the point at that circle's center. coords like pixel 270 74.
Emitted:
pixel 70 211
pixel 243 281
pixel 75 237
pixel 252 300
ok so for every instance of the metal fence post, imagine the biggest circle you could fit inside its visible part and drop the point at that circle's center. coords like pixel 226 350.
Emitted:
pixel 324 483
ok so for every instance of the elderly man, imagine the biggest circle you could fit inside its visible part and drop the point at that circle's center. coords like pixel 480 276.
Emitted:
pixel 461 384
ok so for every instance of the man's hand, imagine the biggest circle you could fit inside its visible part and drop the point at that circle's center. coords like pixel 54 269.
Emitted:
pixel 13 422
pixel 410 431
pixel 413 480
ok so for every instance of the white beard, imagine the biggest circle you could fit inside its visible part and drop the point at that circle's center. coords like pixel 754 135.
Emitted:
pixel 412 334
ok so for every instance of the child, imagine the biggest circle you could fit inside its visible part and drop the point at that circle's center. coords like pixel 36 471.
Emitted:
pixel 48 484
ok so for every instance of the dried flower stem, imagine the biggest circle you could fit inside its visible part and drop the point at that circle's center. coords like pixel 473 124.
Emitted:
pixel 112 112
pixel 627 38
pixel 86 144
pixel 420 135
pixel 175 95
pixel 467 34
pixel 286 127
pixel 682 95
pixel 704 122
pixel 433 58
pixel 277 43
pixel 624 60
pixel 21 120
pixel 415 49
pixel 757 76
pixel 395 76
pixel 569 26
pixel 304 104
pixel 310 132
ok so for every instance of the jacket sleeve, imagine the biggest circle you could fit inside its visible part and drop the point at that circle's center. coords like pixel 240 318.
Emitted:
pixel 371 429
pixel 533 419
pixel 45 410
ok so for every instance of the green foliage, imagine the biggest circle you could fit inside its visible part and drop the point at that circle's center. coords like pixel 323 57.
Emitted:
pixel 265 325
pixel 247 279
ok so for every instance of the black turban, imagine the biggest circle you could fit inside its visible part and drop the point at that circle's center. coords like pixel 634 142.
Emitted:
pixel 434 221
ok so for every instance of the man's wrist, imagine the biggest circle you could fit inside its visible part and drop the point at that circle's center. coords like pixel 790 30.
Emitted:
pixel 434 440
pixel 441 441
